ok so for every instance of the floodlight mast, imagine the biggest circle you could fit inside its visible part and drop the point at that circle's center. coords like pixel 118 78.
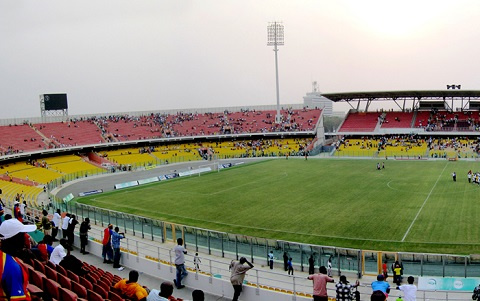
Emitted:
pixel 275 39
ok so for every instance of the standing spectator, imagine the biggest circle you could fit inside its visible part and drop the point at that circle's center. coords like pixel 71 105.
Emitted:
pixel 56 220
pixel 116 236
pixel 397 273
pixel 238 272
pixel 60 251
pixel 16 211
pixel 72 223
pixel 23 206
pixel 385 270
pixel 311 265
pixel 285 261
pixel 320 284
pixel 13 277
pixel 130 288
pixel 409 290
pixel 381 285
pixel 84 227
pixel 270 260
pixel 46 223
pixel 66 219
pixel 329 266
pixel 196 262
pixel 344 289
pixel 180 263
pixel 107 252
pixel 290 266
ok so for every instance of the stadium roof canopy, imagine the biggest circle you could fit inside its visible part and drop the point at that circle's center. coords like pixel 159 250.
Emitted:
pixel 413 96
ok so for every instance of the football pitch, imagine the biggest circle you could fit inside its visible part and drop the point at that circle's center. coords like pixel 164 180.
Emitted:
pixel 410 206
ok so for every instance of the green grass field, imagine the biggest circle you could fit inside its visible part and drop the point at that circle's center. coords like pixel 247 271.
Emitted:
pixel 409 206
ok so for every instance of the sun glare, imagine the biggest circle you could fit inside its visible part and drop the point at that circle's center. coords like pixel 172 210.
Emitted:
pixel 395 18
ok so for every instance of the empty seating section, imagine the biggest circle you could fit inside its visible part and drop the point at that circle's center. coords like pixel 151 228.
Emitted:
pixel 37 174
pixel 71 133
pixel 398 120
pixel 71 164
pixel 186 151
pixel 360 122
pixel 19 138
pixel 129 156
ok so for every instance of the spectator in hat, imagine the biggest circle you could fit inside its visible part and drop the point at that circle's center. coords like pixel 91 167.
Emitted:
pixel 13 278
pixel 381 285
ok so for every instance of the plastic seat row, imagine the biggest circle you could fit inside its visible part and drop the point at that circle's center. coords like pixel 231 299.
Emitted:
pixel 62 284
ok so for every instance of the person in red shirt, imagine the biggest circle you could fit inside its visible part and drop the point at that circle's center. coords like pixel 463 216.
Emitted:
pixel 107 251
pixel 320 284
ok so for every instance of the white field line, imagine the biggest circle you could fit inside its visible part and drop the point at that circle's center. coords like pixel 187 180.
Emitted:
pixel 424 202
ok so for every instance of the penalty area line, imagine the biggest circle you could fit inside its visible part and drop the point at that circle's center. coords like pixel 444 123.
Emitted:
pixel 423 205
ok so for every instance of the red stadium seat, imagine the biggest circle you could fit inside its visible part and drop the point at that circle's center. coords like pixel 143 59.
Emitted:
pixel 73 276
pixel 36 278
pixel 67 295
pixel 50 273
pixel 87 284
pixel 114 297
pixel 51 265
pixel 92 296
pixel 79 289
pixel 101 291
pixel 39 266
pixel 64 281
pixel 51 287
pixel 61 270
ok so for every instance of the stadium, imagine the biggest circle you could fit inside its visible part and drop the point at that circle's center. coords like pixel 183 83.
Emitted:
pixel 160 137
pixel 232 182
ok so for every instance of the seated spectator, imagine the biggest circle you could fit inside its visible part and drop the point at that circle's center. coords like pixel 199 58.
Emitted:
pixel 131 289
pixel 165 293
pixel 197 295
pixel 60 251
pixel 378 296
pixel 44 249
pixel 14 278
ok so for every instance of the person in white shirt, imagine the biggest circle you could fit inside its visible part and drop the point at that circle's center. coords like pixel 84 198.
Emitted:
pixel 23 206
pixel 180 263
pixel 66 219
pixel 166 290
pixel 57 222
pixel 59 252
pixel 409 290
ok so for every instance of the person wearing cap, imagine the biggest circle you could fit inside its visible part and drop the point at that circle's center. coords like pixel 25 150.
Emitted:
pixel 13 277
pixel 320 284
pixel 344 289
pixel 381 285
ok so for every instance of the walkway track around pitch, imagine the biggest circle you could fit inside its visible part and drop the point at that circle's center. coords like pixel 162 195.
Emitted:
pixel 423 205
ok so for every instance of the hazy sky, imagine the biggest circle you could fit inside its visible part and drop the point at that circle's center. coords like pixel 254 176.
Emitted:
pixel 112 56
